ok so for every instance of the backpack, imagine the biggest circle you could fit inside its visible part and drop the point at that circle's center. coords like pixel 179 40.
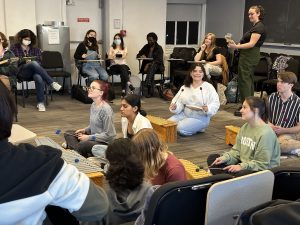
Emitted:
pixel 167 91
pixel 81 94
pixel 231 90
pixel 276 212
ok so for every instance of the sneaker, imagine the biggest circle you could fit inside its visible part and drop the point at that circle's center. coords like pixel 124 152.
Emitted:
pixel 56 86
pixel 64 145
pixel 296 152
pixel 41 107
pixel 131 87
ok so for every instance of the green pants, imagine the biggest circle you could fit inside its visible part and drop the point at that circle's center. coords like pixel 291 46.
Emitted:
pixel 249 58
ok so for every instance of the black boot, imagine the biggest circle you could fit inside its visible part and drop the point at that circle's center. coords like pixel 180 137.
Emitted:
pixel 150 92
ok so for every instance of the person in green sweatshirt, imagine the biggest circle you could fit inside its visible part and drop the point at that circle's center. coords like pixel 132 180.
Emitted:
pixel 256 145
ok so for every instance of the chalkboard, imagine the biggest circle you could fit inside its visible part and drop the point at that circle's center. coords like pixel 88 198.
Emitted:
pixel 282 20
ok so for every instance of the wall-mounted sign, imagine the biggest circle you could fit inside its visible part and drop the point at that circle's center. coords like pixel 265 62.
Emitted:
pixel 83 20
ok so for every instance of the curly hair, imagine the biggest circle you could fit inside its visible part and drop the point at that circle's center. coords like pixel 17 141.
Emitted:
pixel 24 34
pixel 259 9
pixel 189 80
pixel 125 171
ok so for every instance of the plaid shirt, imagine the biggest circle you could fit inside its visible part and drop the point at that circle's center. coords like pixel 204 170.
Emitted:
pixel 19 52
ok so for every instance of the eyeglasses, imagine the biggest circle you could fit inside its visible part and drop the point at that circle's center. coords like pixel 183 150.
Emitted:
pixel 93 88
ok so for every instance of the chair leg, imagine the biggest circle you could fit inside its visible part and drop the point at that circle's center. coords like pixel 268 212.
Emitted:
pixel 23 95
pixel 142 84
pixel 46 90
pixel 63 86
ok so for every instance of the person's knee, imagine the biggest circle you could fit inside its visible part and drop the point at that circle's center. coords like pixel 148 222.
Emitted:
pixel 38 79
pixel 99 150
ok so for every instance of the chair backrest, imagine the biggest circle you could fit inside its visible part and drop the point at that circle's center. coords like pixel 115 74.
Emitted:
pixel 226 200
pixel 187 54
pixel 52 60
pixel 181 202
pixel 263 67
pixel 293 66
pixel 287 183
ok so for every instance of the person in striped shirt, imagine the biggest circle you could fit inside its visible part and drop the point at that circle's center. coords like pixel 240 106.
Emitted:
pixel 284 106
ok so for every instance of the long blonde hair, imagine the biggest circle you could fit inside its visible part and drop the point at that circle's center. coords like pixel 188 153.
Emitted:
pixel 150 151
pixel 212 45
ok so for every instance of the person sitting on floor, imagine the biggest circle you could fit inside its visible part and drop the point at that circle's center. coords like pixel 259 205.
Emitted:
pixel 35 177
pixel 284 116
pixel 30 68
pixel 161 166
pixel 256 146
pixel 195 103
pixel 101 129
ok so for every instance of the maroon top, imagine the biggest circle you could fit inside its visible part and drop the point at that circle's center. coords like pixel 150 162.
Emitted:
pixel 172 170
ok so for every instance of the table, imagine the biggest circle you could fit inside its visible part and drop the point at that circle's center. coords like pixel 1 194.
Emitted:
pixel 20 134
pixel 141 59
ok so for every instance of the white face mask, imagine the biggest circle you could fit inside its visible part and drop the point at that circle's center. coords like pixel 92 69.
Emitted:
pixel 26 42
pixel 117 41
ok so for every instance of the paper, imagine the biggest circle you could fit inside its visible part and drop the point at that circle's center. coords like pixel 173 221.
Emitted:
pixel 53 37
pixel 195 107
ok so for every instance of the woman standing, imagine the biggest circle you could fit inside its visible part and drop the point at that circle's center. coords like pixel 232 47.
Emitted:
pixel 29 67
pixel 88 50
pixel 117 54
pixel 249 48
pixel 210 53
pixel 133 118
pixel 161 166
pixel 195 103
pixel 101 129
pixel 256 145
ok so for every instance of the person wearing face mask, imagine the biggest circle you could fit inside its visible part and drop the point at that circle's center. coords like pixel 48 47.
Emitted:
pixel 117 54
pixel 89 50
pixel 154 51
pixel 29 66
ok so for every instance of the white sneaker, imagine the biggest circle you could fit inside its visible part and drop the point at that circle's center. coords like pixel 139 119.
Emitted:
pixel 64 145
pixel 56 86
pixel 41 107
pixel 296 152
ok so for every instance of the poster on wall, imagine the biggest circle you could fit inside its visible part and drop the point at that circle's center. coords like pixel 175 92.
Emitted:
pixel 53 37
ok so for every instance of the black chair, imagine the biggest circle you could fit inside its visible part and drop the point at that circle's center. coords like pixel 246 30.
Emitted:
pixel 81 74
pixel 182 202
pixel 261 72
pixel 286 183
pixel 179 66
pixel 52 62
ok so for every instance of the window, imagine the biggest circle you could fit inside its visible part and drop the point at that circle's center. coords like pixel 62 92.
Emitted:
pixel 182 32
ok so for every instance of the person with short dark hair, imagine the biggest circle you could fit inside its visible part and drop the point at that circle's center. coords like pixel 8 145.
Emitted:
pixel 127 189
pixel 285 113
pixel 88 50
pixel 30 68
pixel 195 102
pixel 151 50
pixel 101 129
pixel 256 146
pixel 34 177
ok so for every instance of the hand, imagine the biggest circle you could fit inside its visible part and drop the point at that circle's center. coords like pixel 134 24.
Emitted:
pixel 84 56
pixel 232 44
pixel 80 131
pixel 173 106
pixel 217 161
pixel 203 47
pixel 233 168
pixel 83 137
pixel 205 108
pixel 278 129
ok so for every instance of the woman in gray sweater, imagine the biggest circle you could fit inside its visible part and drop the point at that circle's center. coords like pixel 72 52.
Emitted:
pixel 101 129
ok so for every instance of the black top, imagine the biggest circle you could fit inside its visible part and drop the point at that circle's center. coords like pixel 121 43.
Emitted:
pixel 213 57
pixel 258 28
pixel 80 50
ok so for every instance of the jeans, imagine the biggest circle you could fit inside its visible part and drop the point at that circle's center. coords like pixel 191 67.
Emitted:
pixel 94 72
pixel 99 150
pixel 187 126
pixel 33 71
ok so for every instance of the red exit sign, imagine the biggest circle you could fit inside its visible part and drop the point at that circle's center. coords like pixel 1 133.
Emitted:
pixel 83 20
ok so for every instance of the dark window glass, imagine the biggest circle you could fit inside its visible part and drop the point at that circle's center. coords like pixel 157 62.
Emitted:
pixel 170 32
pixel 181 32
pixel 193 32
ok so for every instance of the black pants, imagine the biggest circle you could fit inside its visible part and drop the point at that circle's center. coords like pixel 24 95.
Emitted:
pixel 123 70
pixel 152 69
pixel 84 148
pixel 218 169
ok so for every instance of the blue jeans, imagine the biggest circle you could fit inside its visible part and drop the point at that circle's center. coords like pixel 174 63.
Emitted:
pixel 94 72
pixel 33 71
pixel 187 126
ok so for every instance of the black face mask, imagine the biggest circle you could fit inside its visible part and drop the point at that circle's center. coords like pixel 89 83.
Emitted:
pixel 92 39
